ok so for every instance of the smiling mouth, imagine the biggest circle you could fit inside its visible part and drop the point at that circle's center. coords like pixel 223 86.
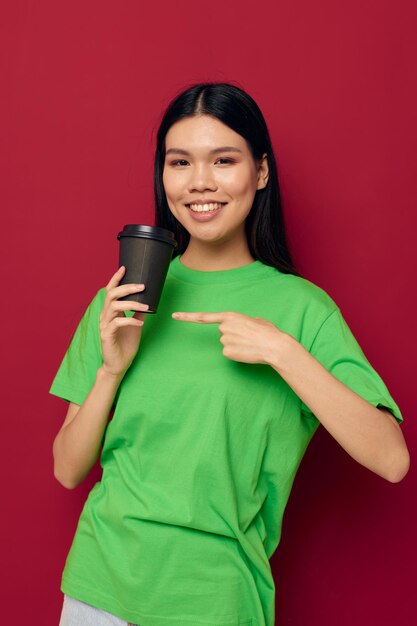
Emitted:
pixel 205 208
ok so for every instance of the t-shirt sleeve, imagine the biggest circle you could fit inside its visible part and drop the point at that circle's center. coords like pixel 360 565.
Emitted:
pixel 336 348
pixel 77 371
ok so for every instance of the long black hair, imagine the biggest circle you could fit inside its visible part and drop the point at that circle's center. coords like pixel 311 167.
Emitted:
pixel 264 225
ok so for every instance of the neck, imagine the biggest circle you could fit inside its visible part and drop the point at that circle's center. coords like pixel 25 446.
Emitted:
pixel 209 257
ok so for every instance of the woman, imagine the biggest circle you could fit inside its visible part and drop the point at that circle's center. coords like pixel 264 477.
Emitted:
pixel 215 398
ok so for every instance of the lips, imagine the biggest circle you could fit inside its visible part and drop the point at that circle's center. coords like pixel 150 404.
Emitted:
pixel 205 207
pixel 206 215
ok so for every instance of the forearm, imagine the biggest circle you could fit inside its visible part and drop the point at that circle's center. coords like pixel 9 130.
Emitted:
pixel 77 445
pixel 366 433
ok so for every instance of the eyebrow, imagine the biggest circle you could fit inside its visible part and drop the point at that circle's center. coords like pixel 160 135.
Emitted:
pixel 215 151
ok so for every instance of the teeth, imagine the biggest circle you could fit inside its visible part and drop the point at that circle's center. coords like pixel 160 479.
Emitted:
pixel 200 208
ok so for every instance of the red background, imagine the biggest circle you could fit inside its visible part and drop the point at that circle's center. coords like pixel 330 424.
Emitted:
pixel 84 85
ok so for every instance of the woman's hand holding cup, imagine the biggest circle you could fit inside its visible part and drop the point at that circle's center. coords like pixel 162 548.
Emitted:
pixel 120 335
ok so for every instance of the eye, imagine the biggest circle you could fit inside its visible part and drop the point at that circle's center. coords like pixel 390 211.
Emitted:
pixel 179 162
pixel 226 160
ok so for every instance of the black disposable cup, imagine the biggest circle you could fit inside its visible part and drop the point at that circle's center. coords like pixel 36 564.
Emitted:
pixel 146 252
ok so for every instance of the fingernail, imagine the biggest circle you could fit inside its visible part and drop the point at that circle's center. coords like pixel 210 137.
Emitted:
pixel 176 315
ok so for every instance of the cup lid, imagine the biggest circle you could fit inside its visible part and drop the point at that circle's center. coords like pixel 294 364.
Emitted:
pixel 149 232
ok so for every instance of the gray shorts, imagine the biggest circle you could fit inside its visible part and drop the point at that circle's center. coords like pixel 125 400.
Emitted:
pixel 77 613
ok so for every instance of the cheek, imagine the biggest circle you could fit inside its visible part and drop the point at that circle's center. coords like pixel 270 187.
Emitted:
pixel 169 191
pixel 173 185
pixel 166 181
pixel 240 182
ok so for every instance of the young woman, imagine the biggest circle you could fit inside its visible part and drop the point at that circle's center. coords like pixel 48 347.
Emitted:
pixel 215 397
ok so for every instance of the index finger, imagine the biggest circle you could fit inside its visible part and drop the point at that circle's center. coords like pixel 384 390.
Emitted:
pixel 116 278
pixel 200 317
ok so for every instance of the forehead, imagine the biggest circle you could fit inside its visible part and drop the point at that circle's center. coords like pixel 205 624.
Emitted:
pixel 201 133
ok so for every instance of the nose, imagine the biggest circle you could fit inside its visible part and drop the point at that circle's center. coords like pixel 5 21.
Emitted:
pixel 202 178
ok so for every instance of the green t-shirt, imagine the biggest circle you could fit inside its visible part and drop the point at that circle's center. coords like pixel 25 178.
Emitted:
pixel 201 453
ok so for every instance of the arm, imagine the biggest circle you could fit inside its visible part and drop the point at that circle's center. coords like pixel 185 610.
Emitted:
pixel 77 445
pixel 369 435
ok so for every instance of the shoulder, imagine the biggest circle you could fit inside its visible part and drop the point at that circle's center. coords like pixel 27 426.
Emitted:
pixel 297 305
pixel 94 307
pixel 97 300
pixel 303 293
pixel 100 296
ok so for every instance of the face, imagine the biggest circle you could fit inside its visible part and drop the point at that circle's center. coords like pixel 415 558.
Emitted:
pixel 210 166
